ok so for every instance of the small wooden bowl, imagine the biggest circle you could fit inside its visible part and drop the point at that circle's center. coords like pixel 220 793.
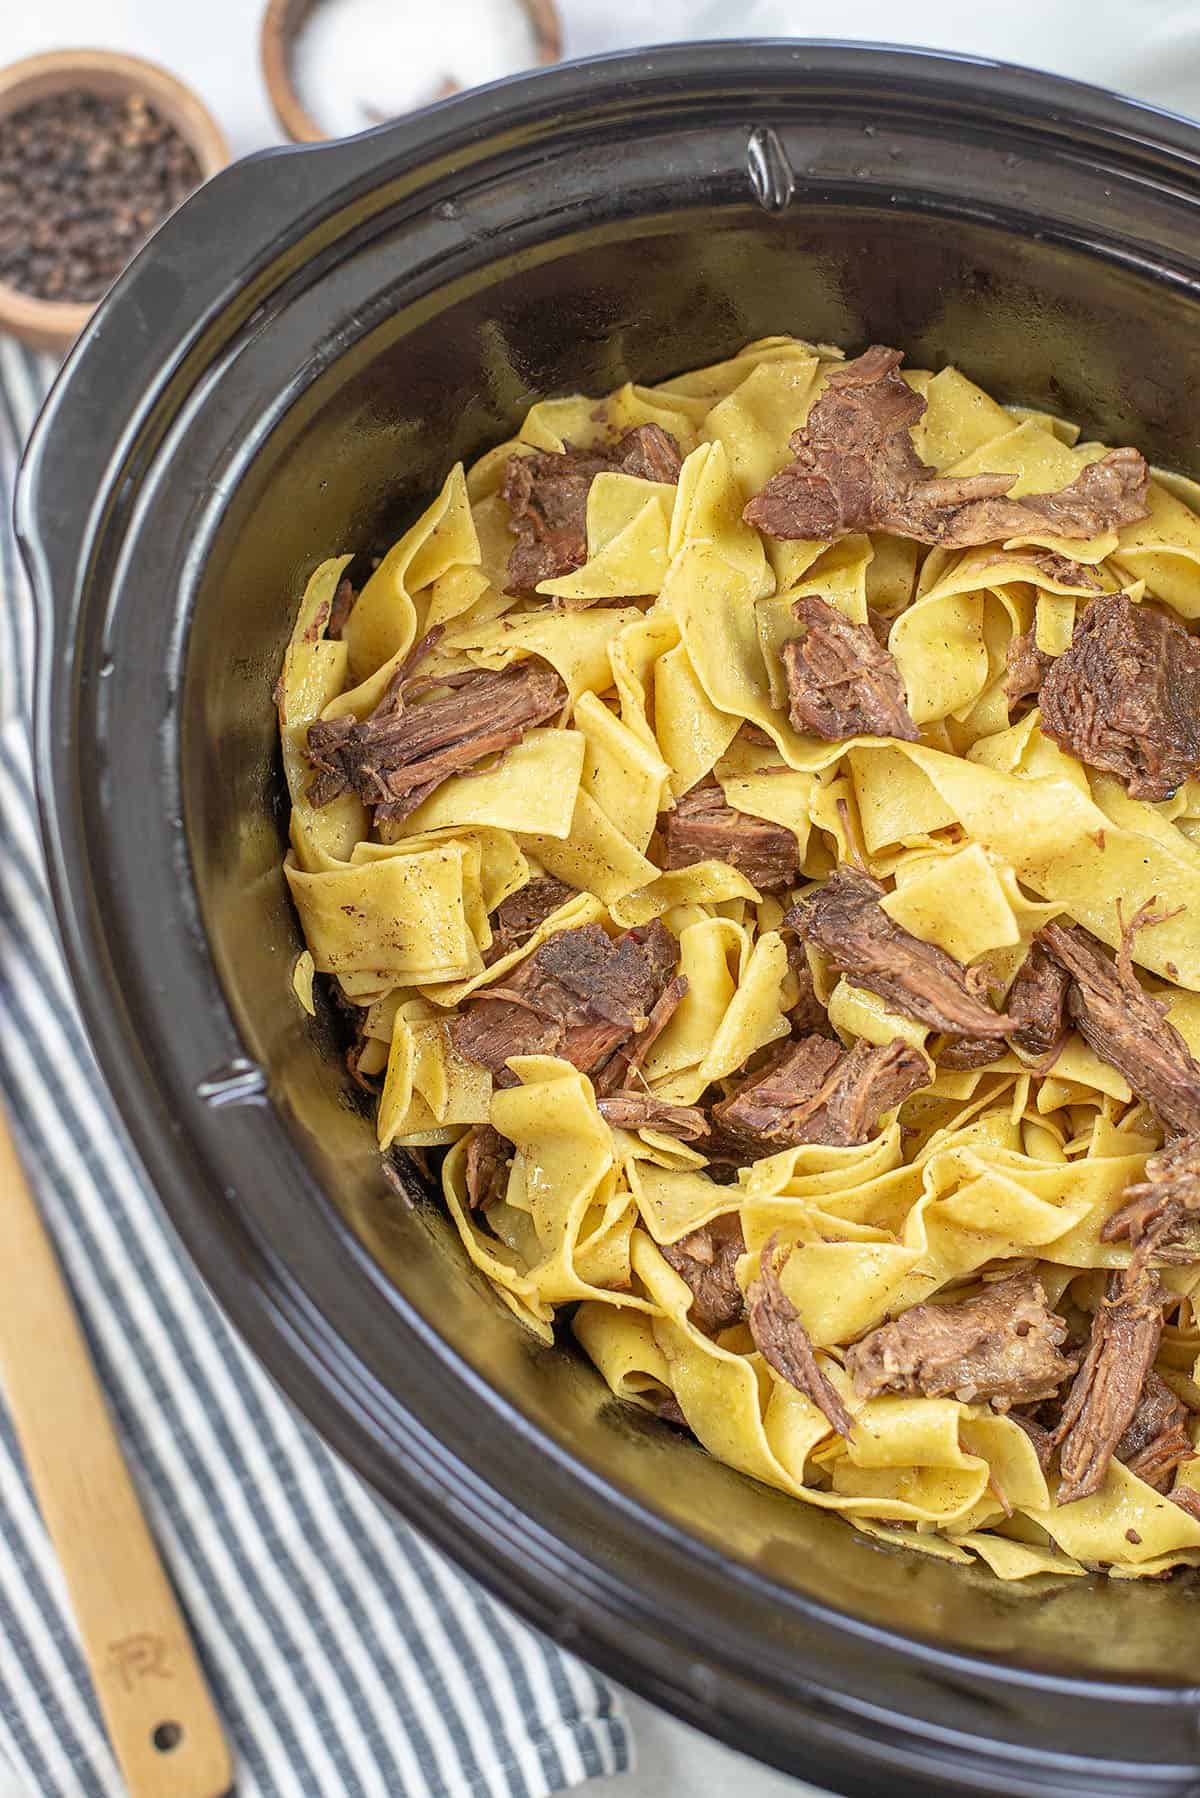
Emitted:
pixel 281 25
pixel 55 324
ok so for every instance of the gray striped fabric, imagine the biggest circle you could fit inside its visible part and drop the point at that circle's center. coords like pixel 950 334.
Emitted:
pixel 348 1659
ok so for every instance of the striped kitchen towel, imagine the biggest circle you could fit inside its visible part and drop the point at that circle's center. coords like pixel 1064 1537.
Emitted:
pixel 348 1659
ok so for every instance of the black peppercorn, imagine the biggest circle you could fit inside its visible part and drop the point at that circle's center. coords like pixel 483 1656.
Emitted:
pixel 84 179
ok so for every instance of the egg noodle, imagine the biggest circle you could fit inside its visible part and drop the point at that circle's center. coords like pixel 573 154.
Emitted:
pixel 982 831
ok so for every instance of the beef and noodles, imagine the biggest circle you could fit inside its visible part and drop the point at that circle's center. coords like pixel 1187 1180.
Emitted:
pixel 753 825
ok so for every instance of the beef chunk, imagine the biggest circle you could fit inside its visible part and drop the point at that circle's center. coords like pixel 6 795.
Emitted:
pixel 1037 1003
pixel 783 1342
pixel 642 1111
pixel 489 1157
pixel 547 495
pixel 857 469
pixel 842 682
pixel 1125 697
pixel 668 1408
pixel 651 454
pixel 962 1054
pixel 1188 1499
pixel 620 1071
pixel 517 917
pixel 1125 1025
pixel 752 1120
pixel 702 828
pixel 1004 1346
pixel 814 1091
pixel 1041 1438
pixel 1161 1214
pixel 873 1078
pixel 578 995
pixel 846 921
pixel 1157 1440
pixel 402 752
pixel 1026 668
pixel 807 1016
pixel 707 1258
pixel 340 610
pixel 1064 570
pixel 1107 1389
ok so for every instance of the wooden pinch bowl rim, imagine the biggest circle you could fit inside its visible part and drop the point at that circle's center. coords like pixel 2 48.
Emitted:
pixel 55 324
pixel 281 24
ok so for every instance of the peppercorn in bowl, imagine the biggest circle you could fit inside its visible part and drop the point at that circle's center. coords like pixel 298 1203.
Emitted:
pixel 96 150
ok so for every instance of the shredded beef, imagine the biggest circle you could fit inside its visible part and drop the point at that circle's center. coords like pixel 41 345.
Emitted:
pixel 965 1053
pixel 401 753
pixel 1157 1440
pixel 1037 1006
pixel 642 1111
pixel 1161 1214
pixel 1125 697
pixel 1102 1401
pixel 807 1015
pixel 847 922
pixel 517 917
pixel 668 1408
pixel 340 610
pixel 1064 570
pixel 842 682
pixel 814 1091
pixel 783 1342
pixel 489 1157
pixel 1027 667
pixel 1125 1025
pixel 707 1259
pixel 752 1120
pixel 857 469
pixel 1188 1499
pixel 621 1069
pixel 1004 1346
pixel 1039 1435
pixel 1037 1002
pixel 547 495
pixel 578 996
pixel 703 828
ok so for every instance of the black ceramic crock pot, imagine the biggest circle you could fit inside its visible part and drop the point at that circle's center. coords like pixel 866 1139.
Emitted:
pixel 286 372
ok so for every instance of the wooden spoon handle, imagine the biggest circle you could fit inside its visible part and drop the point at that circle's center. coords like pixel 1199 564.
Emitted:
pixel 160 1717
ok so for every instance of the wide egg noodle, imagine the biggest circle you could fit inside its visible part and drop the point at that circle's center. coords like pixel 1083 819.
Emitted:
pixel 628 532
pixel 957 901
pixel 314 673
pixel 692 734
pixel 563 1167
pixel 708 509
pixel 382 626
pixel 595 855
pixel 402 918
pixel 428 1087
pixel 531 790
pixel 753 422
pixel 576 645
pixel 623 777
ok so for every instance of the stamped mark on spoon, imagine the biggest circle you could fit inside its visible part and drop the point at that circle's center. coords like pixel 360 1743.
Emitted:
pixel 771 174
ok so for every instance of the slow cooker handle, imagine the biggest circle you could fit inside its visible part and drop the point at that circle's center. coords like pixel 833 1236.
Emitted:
pixel 149 327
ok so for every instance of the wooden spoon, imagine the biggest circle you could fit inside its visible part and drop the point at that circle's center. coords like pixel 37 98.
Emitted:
pixel 156 1705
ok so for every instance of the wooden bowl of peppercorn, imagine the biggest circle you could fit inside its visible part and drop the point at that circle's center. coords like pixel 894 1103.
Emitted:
pixel 96 148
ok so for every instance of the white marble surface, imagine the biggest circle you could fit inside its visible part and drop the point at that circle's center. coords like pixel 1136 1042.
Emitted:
pixel 1152 50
